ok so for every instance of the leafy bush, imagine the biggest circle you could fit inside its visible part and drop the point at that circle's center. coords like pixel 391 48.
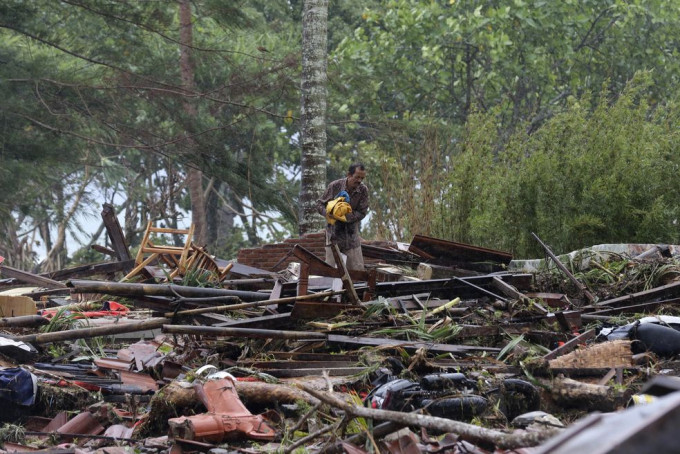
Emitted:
pixel 599 172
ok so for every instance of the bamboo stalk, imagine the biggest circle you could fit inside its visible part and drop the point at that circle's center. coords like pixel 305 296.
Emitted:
pixel 155 323
pixel 84 333
pixel 23 320
pixel 130 289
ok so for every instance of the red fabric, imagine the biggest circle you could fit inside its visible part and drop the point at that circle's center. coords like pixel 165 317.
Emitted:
pixel 115 309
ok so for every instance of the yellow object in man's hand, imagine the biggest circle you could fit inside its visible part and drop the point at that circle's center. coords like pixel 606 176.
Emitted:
pixel 336 210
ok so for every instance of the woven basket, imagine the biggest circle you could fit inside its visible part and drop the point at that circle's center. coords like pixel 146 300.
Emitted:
pixel 607 354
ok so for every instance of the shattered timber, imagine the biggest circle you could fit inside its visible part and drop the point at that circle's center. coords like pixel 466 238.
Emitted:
pixel 436 347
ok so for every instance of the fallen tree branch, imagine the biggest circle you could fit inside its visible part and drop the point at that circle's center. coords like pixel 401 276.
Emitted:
pixel 304 418
pixel 304 440
pixel 360 438
pixel 469 432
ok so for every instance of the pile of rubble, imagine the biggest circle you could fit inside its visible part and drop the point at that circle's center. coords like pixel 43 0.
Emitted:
pixel 436 347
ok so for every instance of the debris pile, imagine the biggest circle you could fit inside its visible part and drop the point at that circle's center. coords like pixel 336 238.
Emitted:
pixel 435 347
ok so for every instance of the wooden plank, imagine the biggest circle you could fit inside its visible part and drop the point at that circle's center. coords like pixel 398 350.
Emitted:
pixel 465 255
pixel 409 345
pixel 115 233
pixel 507 289
pixel 564 270
pixel 307 372
pixel 311 310
pixel 456 365
pixel 273 321
pixel 636 308
pixel 302 356
pixel 274 365
pixel 608 376
pixel 571 345
pixel 275 294
pixel 30 278
pixel 89 270
pixel 242 332
pixel 668 290
pixel 449 287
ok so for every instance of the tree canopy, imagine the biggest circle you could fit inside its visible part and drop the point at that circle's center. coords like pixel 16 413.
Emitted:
pixel 478 121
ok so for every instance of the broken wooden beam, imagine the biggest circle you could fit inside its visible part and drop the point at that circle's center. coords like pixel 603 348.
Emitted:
pixel 449 253
pixel 115 233
pixel 571 345
pixel 30 278
pixel 482 290
pixel 242 332
pixel 409 345
pixel 427 271
pixel 129 289
pixel 664 291
pixel 642 308
pixel 507 289
pixel 254 304
pixel 564 269
pixel 89 270
pixel 450 288
pixel 344 276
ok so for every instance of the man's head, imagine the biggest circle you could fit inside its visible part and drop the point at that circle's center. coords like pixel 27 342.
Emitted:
pixel 355 175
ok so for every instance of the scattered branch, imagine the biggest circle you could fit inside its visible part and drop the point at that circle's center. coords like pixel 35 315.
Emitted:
pixel 469 432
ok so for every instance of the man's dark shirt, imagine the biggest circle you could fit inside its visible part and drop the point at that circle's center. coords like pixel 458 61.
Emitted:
pixel 345 234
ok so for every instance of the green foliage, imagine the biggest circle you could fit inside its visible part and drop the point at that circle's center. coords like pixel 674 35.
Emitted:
pixel 95 100
pixel 12 433
pixel 63 320
pixel 599 172
pixel 473 117
pixel 418 329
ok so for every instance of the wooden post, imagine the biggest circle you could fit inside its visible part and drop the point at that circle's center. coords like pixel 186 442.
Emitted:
pixel 564 269
pixel 115 232
pixel 346 280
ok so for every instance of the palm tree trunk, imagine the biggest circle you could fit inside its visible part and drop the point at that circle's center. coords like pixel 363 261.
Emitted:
pixel 313 112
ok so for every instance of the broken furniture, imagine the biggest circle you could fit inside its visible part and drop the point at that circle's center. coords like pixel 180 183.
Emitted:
pixel 179 259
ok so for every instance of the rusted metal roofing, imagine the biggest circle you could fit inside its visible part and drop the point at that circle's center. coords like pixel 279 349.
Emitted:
pixel 450 253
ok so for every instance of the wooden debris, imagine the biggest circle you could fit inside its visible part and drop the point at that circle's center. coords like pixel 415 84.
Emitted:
pixel 467 431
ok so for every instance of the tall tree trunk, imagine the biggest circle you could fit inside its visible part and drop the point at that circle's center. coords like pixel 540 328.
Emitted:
pixel 313 112
pixel 57 253
pixel 194 174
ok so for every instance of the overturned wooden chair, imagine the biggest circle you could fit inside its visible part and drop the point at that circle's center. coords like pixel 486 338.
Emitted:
pixel 177 260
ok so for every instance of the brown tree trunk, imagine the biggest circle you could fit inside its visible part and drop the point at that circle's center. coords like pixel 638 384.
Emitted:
pixel 194 174
pixel 57 250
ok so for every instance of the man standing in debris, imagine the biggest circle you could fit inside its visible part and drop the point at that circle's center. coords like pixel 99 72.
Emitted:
pixel 344 205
